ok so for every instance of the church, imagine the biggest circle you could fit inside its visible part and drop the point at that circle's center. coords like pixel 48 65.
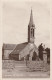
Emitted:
pixel 27 50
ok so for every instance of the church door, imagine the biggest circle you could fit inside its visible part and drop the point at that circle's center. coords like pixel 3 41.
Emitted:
pixel 34 56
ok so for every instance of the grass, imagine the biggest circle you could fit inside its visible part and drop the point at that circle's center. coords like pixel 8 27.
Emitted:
pixel 15 69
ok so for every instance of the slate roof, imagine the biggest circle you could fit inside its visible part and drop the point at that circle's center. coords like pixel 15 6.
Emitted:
pixel 9 46
pixel 19 47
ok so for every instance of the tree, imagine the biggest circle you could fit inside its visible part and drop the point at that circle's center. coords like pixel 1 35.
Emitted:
pixel 40 49
pixel 48 54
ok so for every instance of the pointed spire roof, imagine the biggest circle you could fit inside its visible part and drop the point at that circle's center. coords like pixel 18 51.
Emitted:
pixel 31 18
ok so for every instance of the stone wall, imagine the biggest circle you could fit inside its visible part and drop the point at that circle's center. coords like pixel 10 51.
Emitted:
pixel 37 65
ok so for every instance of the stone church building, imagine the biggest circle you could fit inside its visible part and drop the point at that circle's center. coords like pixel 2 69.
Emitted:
pixel 27 50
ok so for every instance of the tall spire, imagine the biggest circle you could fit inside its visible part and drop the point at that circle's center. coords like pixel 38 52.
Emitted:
pixel 31 18
pixel 31 29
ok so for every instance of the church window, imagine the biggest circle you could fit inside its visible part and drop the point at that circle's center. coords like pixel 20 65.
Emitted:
pixel 33 32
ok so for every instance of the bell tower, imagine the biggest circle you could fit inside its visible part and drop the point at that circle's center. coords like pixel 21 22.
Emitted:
pixel 31 29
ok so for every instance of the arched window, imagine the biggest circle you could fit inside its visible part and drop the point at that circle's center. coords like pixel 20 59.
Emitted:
pixel 33 32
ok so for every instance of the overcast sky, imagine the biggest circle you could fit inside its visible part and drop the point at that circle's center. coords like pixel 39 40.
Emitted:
pixel 16 16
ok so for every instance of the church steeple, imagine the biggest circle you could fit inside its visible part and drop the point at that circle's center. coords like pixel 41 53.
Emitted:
pixel 31 29
pixel 31 18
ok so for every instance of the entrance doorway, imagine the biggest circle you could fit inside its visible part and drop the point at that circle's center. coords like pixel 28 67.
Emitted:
pixel 34 56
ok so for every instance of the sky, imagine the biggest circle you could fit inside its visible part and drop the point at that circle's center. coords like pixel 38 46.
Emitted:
pixel 15 19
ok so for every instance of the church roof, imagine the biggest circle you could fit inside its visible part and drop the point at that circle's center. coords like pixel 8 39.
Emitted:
pixel 9 46
pixel 18 48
